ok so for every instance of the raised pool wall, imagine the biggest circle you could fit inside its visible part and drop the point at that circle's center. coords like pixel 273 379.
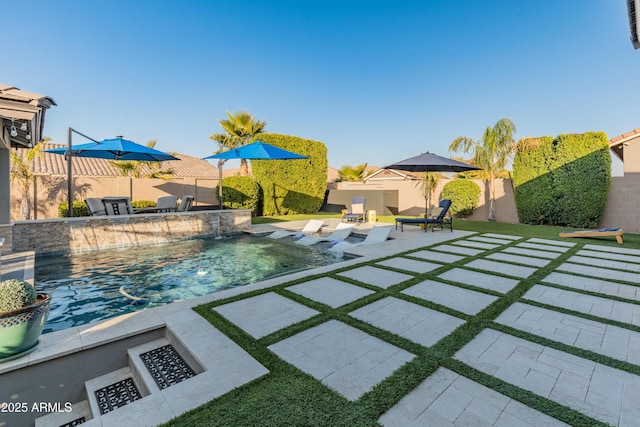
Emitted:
pixel 73 235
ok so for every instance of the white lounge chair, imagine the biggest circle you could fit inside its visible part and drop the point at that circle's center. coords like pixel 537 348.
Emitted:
pixel 341 232
pixel 376 235
pixel 313 226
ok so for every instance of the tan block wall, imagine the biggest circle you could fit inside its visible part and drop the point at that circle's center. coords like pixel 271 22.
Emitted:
pixel 411 197
pixel 49 191
pixel 623 203
pixel 61 235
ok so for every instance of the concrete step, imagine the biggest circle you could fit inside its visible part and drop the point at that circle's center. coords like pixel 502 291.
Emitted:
pixel 114 390
pixel 79 411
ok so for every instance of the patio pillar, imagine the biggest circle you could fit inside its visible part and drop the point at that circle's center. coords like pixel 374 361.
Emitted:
pixel 5 180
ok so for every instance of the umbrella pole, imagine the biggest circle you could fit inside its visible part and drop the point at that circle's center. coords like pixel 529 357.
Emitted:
pixel 220 163
pixel 426 196
pixel 69 175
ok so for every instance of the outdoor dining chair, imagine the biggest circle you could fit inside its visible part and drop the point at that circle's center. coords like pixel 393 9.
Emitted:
pixel 166 204
pixel 185 203
pixel 117 205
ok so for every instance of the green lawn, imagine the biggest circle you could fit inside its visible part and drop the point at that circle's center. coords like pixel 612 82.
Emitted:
pixel 287 396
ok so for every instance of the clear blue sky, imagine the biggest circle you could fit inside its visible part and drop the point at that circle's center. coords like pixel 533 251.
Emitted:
pixel 376 81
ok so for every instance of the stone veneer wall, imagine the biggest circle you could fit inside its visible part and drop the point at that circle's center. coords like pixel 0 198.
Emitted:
pixel 63 235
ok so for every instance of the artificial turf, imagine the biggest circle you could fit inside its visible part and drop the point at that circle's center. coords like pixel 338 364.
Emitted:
pixel 287 396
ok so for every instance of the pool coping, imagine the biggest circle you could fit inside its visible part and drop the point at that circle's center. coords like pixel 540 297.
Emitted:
pixel 226 368
pixel 78 338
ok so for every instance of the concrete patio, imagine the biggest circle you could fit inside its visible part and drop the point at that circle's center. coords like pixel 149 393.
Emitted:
pixel 351 362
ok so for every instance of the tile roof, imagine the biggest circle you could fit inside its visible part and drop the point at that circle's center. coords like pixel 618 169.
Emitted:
pixel 617 142
pixel 56 164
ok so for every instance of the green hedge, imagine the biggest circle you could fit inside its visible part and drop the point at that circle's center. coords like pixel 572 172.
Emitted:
pixel 563 181
pixel 292 186
pixel 79 209
pixel 241 192
pixel 533 203
pixel 139 204
pixel 464 195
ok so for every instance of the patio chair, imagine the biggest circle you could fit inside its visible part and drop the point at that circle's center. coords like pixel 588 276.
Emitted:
pixel 117 205
pixel 341 232
pixel 185 203
pixel 443 219
pixel 95 206
pixel 313 226
pixel 440 220
pixel 357 211
pixel 376 235
pixel 166 204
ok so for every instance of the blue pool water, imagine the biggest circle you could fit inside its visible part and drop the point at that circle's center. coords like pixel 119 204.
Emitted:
pixel 102 284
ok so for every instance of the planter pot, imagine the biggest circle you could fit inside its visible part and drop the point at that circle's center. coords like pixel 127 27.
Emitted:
pixel 20 329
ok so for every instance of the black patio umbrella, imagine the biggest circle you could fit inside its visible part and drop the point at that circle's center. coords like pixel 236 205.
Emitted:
pixel 430 162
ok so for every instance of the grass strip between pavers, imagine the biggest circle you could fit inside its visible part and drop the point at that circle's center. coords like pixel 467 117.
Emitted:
pixel 287 396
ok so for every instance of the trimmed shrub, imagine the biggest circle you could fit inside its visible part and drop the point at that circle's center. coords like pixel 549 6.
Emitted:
pixel 532 181
pixel 139 204
pixel 79 209
pixel 564 181
pixel 241 192
pixel 292 186
pixel 16 294
pixel 464 195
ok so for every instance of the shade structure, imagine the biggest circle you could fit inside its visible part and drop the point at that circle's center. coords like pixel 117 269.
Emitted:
pixel 430 162
pixel 115 149
pixel 255 151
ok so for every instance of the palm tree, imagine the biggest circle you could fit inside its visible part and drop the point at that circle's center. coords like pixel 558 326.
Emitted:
pixel 492 153
pixel 352 173
pixel 21 170
pixel 240 129
pixel 135 168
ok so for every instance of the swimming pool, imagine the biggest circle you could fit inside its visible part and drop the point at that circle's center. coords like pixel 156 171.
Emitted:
pixel 103 284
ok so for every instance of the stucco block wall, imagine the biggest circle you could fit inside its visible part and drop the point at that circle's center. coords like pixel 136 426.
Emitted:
pixel 49 191
pixel 411 197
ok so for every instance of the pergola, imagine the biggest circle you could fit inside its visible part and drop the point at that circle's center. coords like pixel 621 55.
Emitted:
pixel 22 119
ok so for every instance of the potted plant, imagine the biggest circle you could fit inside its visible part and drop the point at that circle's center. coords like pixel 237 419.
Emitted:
pixel 23 313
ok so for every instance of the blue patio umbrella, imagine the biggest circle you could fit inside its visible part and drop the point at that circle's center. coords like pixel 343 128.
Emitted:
pixel 255 151
pixel 114 149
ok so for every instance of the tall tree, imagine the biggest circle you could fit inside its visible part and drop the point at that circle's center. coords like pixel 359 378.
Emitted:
pixel 239 129
pixel 21 170
pixel 136 168
pixel 352 173
pixel 492 153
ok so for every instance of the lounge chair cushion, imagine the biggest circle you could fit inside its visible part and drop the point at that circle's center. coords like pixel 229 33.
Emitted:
pixel 376 235
pixel 313 226
pixel 341 232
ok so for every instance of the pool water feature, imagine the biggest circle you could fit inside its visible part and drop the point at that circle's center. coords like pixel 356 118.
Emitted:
pixel 107 283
